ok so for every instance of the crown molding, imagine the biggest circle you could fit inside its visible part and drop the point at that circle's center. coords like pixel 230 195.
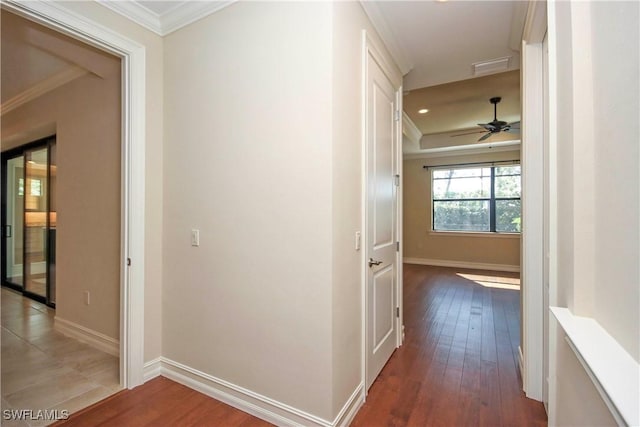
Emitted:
pixel 135 12
pixel 372 9
pixel 44 86
pixel 411 130
pixel 177 17
pixel 464 150
pixel 190 12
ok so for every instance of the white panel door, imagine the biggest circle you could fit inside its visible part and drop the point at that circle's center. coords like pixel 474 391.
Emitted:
pixel 381 204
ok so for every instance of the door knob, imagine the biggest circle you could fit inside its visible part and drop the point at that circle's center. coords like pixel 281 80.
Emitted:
pixel 372 262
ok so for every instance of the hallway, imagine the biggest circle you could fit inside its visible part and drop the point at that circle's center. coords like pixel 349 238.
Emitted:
pixel 458 364
pixel 457 367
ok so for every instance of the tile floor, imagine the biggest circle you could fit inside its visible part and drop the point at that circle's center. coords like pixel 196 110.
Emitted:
pixel 44 369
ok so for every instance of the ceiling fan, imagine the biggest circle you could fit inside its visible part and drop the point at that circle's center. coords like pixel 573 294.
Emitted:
pixel 495 126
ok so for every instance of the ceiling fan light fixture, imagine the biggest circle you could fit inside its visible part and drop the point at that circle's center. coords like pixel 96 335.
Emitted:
pixel 423 111
pixel 497 126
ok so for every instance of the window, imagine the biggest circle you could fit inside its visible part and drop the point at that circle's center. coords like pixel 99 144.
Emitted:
pixel 36 187
pixel 476 199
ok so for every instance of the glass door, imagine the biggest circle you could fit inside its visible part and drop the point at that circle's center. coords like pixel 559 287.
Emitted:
pixel 53 214
pixel 29 216
pixel 13 215
pixel 36 208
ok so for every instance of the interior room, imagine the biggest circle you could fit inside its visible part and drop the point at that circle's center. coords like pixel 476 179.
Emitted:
pixel 461 225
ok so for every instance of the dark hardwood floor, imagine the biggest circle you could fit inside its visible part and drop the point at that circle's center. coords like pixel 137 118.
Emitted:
pixel 161 402
pixel 459 362
pixel 458 366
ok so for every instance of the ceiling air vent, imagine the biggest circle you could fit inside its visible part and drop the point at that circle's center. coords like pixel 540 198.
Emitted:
pixel 491 66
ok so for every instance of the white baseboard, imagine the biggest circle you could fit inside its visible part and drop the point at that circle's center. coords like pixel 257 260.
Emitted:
pixel 350 408
pixel 463 264
pixel 248 401
pixel 95 339
pixel 152 369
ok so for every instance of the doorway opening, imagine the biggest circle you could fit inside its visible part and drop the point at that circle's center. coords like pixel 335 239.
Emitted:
pixel 479 230
pixel 62 219
pixel 65 20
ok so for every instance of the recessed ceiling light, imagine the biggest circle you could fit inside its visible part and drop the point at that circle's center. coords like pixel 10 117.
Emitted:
pixel 423 111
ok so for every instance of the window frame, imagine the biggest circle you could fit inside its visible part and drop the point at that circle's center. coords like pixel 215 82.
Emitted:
pixel 491 199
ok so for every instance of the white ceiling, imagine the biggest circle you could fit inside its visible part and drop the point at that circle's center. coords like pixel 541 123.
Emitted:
pixel 161 7
pixel 437 42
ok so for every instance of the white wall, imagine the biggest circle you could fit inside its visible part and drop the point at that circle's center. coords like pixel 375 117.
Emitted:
pixel 597 61
pixel 615 42
pixel 346 182
pixel 248 162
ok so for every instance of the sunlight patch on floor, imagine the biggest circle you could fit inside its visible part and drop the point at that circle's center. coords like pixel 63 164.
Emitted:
pixel 495 282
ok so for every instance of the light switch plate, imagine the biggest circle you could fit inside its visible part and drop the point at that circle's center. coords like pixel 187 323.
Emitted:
pixel 195 237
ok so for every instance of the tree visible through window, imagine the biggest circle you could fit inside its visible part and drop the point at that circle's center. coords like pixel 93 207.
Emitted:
pixel 481 199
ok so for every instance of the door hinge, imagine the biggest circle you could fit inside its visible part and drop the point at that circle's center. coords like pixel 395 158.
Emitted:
pixel 129 262
pixel 397 246
pixel 397 180
pixel 397 116
pixel 397 311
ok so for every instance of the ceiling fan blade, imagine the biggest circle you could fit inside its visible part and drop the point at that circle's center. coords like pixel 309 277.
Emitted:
pixel 485 136
pixel 512 130
pixel 515 124
pixel 469 133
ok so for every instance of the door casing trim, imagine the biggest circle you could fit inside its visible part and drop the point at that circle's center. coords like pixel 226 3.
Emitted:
pixel 532 264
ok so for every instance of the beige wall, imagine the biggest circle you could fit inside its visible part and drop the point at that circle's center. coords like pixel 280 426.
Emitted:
pixel 85 116
pixel 272 180
pixel 597 192
pixel 248 161
pixel 349 20
pixel 420 242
